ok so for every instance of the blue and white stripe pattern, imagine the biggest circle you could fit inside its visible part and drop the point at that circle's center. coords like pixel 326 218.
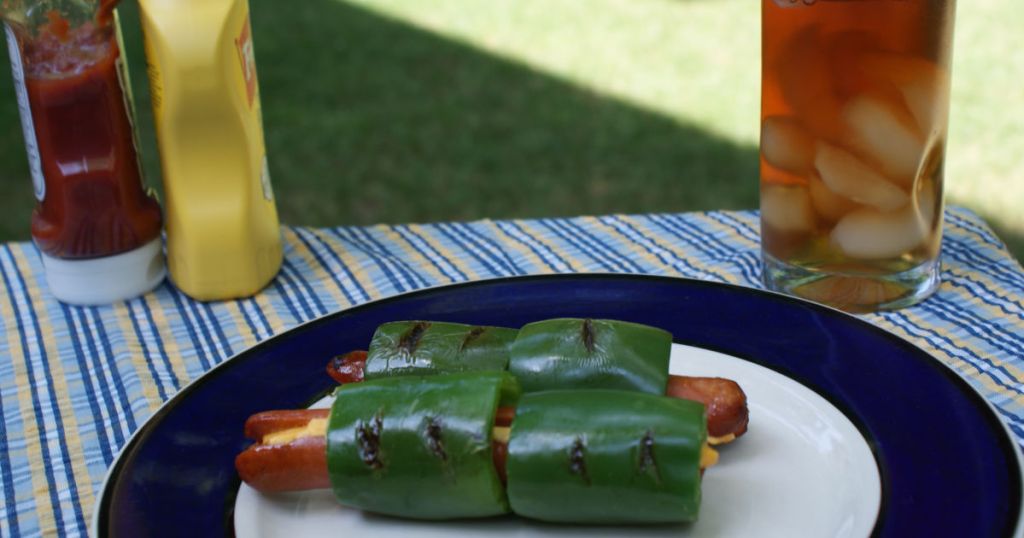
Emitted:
pixel 76 382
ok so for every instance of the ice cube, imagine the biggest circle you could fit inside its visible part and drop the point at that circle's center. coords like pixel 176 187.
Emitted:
pixel 923 84
pixel 848 176
pixel 929 103
pixel 885 134
pixel 786 208
pixel 786 145
pixel 827 204
pixel 870 234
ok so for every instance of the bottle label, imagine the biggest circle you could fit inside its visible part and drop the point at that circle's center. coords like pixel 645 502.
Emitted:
pixel 248 60
pixel 127 95
pixel 156 79
pixel 28 128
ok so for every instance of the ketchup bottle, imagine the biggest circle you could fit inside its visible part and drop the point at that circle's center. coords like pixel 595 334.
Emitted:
pixel 96 227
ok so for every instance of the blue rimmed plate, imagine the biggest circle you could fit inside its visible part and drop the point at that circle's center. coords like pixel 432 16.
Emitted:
pixel 947 465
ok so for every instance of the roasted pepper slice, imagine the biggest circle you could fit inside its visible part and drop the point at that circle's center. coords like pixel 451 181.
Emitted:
pixel 432 347
pixel 605 456
pixel 419 446
pixel 591 354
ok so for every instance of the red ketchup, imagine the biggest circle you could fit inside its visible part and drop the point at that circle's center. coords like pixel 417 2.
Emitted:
pixel 95 225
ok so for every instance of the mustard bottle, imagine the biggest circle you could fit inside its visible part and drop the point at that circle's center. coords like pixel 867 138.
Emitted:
pixel 223 236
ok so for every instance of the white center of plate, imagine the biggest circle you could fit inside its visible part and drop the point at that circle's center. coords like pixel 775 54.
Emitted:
pixel 802 469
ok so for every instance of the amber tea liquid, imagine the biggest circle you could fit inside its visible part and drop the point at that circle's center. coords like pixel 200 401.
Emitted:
pixel 854 105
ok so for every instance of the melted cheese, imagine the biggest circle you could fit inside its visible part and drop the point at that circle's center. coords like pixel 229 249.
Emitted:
pixel 708 456
pixel 721 440
pixel 315 428
pixel 501 434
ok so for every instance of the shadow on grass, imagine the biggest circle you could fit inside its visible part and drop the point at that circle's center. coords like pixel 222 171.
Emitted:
pixel 369 119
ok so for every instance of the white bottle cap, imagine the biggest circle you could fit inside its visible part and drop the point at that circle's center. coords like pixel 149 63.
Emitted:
pixel 109 279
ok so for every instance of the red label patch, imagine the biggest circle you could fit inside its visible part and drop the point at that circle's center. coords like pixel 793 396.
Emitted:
pixel 248 60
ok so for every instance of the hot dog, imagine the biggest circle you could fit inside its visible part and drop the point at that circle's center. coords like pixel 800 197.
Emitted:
pixel 416 429
pixel 724 399
pixel 301 464
pixel 412 447
pixel 275 465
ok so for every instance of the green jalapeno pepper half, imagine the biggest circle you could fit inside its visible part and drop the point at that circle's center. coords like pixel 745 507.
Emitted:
pixel 419 446
pixel 605 456
pixel 430 347
pixel 545 355
pixel 591 354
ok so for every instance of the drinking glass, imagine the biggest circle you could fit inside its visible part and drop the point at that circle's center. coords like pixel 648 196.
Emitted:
pixel 854 107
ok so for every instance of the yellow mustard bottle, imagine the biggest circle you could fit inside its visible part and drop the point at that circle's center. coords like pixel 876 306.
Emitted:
pixel 223 235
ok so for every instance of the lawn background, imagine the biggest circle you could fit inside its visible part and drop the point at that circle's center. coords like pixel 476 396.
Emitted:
pixel 432 110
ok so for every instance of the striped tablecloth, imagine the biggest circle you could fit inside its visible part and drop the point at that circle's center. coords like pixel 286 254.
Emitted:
pixel 76 382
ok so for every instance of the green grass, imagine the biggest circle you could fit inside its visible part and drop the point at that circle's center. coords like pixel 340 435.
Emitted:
pixel 398 111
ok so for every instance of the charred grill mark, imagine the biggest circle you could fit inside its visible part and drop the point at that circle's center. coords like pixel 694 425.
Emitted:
pixel 578 460
pixel 435 439
pixel 647 461
pixel 411 339
pixel 368 438
pixel 474 334
pixel 587 335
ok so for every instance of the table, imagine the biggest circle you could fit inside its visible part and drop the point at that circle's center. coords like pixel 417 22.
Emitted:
pixel 75 382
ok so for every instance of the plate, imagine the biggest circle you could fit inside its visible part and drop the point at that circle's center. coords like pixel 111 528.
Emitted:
pixel 947 464
pixel 802 469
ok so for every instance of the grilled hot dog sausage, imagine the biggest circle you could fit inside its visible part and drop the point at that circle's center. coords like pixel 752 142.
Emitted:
pixel 725 401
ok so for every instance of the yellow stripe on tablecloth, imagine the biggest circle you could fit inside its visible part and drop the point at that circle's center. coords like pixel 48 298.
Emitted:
pixel 970 345
pixel 973 236
pixel 524 251
pixel 166 335
pixel 359 273
pixel 961 366
pixel 731 231
pixel 679 251
pixel 266 306
pixel 983 280
pixel 537 236
pixel 26 407
pixel 976 303
pixel 139 360
pixel 234 309
pixel 625 243
pixel 422 263
pixel 73 443
pixel 319 271
pixel 751 219
pixel 444 252
pixel 731 234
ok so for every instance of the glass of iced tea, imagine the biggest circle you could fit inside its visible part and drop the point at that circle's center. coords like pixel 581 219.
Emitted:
pixel 854 105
